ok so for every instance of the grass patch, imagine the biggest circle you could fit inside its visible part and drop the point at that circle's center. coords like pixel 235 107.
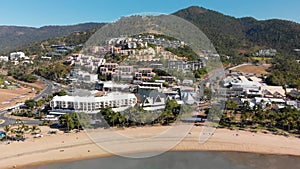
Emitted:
pixel 261 58
pixel 253 69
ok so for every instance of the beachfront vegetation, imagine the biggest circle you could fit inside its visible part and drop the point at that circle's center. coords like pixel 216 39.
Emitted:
pixel 136 116
pixel 28 110
pixel 18 130
pixel 70 121
pixel 284 72
pixel 24 113
pixel 276 121
pixel 74 120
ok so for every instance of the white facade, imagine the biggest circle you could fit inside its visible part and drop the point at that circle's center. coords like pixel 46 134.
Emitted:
pixel 273 91
pixel 89 63
pixel 17 55
pixel 93 104
pixel 46 57
pixel 84 76
pixel 4 58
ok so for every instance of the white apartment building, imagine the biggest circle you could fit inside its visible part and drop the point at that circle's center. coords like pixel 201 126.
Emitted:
pixel 85 62
pixel 17 55
pixel 91 104
pixel 4 58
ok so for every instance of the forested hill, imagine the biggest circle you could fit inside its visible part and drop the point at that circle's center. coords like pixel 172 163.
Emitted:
pixel 14 37
pixel 230 36
pixel 235 35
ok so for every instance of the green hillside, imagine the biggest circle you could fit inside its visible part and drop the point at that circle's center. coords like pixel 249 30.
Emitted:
pixel 15 37
pixel 244 35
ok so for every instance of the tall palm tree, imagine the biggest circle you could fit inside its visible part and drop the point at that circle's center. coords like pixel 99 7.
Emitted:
pixel 167 116
pixel 76 120
pixel 7 130
pixel 246 107
pixel 25 128
pixel 291 122
pixel 19 129
pixel 34 129
pixel 122 120
pixel 114 117
pixel 285 122
pixel 231 105
pixel 272 122
pixel 69 122
pixel 62 120
pixel 298 124
pixel 244 118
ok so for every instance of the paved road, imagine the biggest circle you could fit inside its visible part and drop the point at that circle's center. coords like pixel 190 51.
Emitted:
pixel 10 121
pixel 244 64
pixel 48 90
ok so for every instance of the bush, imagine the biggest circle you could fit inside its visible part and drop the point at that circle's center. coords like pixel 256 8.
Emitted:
pixel 47 122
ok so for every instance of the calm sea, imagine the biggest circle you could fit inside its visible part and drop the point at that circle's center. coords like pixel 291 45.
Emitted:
pixel 186 160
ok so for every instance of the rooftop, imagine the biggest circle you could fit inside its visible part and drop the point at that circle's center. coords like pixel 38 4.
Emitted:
pixel 107 97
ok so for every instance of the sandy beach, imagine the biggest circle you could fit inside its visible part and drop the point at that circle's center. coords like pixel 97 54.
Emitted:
pixel 76 146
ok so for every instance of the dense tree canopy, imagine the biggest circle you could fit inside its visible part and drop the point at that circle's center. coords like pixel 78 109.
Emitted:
pixel 184 51
pixel 22 74
pixel 284 71
pixel 53 71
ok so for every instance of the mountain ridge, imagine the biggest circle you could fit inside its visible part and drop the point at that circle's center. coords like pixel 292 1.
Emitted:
pixel 14 37
pixel 230 35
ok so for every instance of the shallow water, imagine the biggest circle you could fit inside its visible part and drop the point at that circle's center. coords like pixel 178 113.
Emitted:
pixel 186 160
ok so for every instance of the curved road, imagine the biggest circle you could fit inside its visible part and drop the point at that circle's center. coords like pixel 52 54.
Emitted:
pixel 10 121
pixel 45 92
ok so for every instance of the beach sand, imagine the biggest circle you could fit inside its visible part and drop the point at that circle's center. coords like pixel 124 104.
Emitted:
pixel 76 146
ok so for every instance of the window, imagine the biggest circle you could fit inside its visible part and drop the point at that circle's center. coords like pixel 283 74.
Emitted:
pixel 146 101
pixel 158 99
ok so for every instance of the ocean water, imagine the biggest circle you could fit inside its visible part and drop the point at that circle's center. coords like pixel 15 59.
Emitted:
pixel 186 160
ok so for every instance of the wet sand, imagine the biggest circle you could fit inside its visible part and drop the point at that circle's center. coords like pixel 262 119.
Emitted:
pixel 186 159
pixel 78 146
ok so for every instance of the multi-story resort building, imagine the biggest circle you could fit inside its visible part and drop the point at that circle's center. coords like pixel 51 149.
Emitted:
pixel 91 104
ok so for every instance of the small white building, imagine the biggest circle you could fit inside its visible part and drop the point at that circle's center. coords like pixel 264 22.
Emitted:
pixel 111 86
pixel 280 103
pixel 84 76
pixel 17 55
pixel 187 82
pixel 46 57
pixel 152 100
pixel 4 58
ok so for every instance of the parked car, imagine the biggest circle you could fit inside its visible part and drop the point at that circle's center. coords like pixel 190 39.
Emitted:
pixel 38 135
pixel 2 134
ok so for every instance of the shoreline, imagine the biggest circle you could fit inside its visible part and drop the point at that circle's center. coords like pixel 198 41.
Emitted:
pixel 77 146
pixel 43 163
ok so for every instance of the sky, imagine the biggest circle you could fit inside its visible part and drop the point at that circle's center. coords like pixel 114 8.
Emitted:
pixel 37 13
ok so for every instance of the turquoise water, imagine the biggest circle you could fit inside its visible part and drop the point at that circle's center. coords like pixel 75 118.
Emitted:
pixel 186 160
